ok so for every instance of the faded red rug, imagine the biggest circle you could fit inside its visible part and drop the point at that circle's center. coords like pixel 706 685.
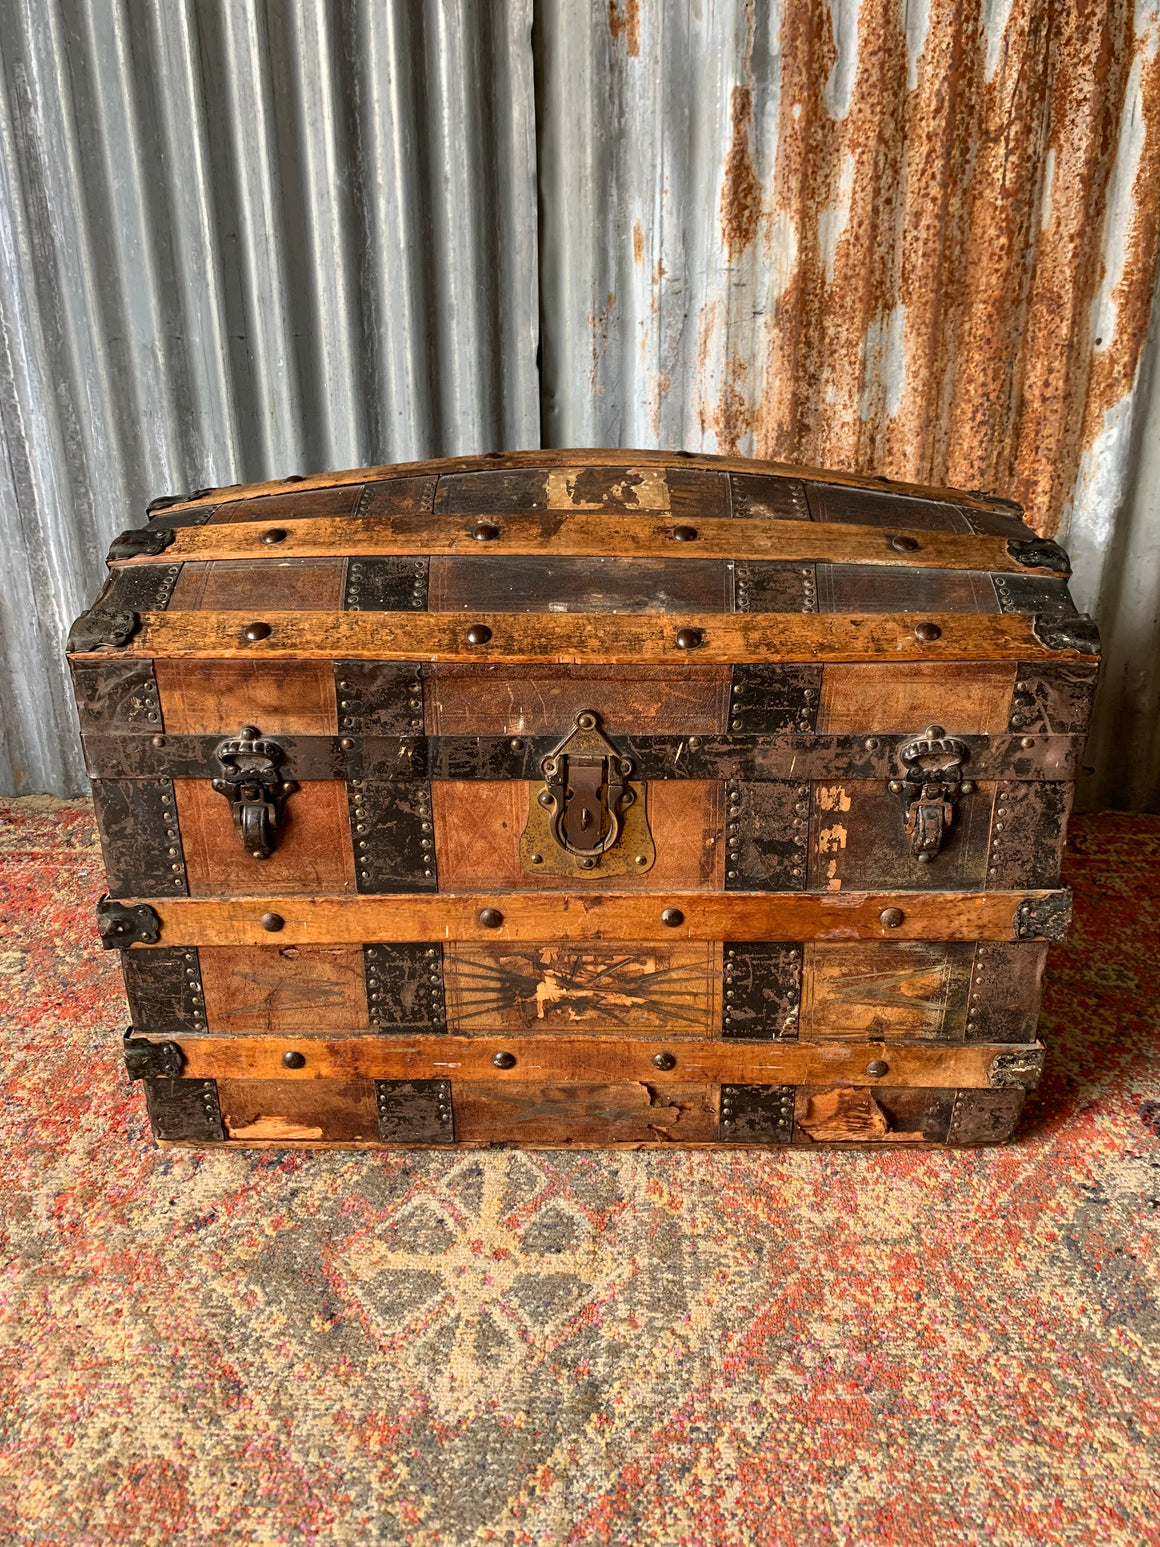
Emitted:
pixel 917 1349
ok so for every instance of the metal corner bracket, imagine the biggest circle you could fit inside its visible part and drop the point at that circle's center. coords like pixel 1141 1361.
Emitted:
pixel 101 628
pixel 145 1060
pixel 141 542
pixel 121 924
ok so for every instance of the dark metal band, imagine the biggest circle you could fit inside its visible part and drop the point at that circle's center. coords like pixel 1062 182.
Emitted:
pixel 755 758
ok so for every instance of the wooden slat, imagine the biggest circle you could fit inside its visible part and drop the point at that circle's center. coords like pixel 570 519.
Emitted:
pixel 582 457
pixel 594 1059
pixel 566 916
pixel 585 638
pixel 581 536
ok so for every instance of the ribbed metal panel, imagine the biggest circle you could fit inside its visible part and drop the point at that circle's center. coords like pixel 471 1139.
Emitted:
pixel 237 241
pixel 915 239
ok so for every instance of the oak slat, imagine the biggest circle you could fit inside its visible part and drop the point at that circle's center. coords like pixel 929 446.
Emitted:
pixel 582 638
pixel 564 916
pixel 589 535
pixel 594 1059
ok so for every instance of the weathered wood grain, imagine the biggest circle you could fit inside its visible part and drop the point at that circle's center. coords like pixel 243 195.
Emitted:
pixel 556 1057
pixel 575 1115
pixel 313 853
pixel 907 989
pixel 964 699
pixel 223 585
pixel 269 1110
pixel 338 920
pixel 287 500
pixel 536 583
pixel 593 535
pixel 293 988
pixel 583 989
pixel 501 700
pixel 578 638
pixel 200 698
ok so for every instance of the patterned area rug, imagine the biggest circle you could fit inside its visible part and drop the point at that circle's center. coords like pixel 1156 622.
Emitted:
pixel 207 1347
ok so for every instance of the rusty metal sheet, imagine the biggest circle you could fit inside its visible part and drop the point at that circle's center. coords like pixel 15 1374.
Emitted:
pixel 918 240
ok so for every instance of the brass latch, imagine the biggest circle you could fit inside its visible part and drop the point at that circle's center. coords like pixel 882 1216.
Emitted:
pixel 588 814
pixel 932 784
pixel 252 783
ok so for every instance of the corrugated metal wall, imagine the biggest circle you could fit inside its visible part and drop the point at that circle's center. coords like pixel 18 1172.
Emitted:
pixel 909 236
pixel 240 239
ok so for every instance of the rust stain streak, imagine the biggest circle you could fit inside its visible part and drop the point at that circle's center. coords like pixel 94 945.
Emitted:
pixel 740 188
pixel 626 24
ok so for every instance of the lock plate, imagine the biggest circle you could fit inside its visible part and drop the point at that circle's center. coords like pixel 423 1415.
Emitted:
pixel 589 816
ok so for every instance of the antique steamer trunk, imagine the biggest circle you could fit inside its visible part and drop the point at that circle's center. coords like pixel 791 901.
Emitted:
pixel 583 798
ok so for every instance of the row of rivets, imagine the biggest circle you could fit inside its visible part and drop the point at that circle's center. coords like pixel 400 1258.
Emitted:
pixel 165 589
pixel 733 801
pixel 427 828
pixel 1022 700
pixel 172 836
pixel 193 990
pixel 148 701
pixel 998 826
pixel 983 958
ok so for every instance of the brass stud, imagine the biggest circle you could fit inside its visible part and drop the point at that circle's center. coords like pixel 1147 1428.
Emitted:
pixel 293 1060
pixel 927 632
pixel 684 534
pixel 504 1060
pixel 904 544
pixel 272 921
pixel 689 638
pixel 255 631
pixel 673 917
pixel 891 918
pixel 664 1061
pixel 485 532
pixel 478 634
pixel 876 1068
pixel 489 918
pixel 158 741
pixel 276 534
